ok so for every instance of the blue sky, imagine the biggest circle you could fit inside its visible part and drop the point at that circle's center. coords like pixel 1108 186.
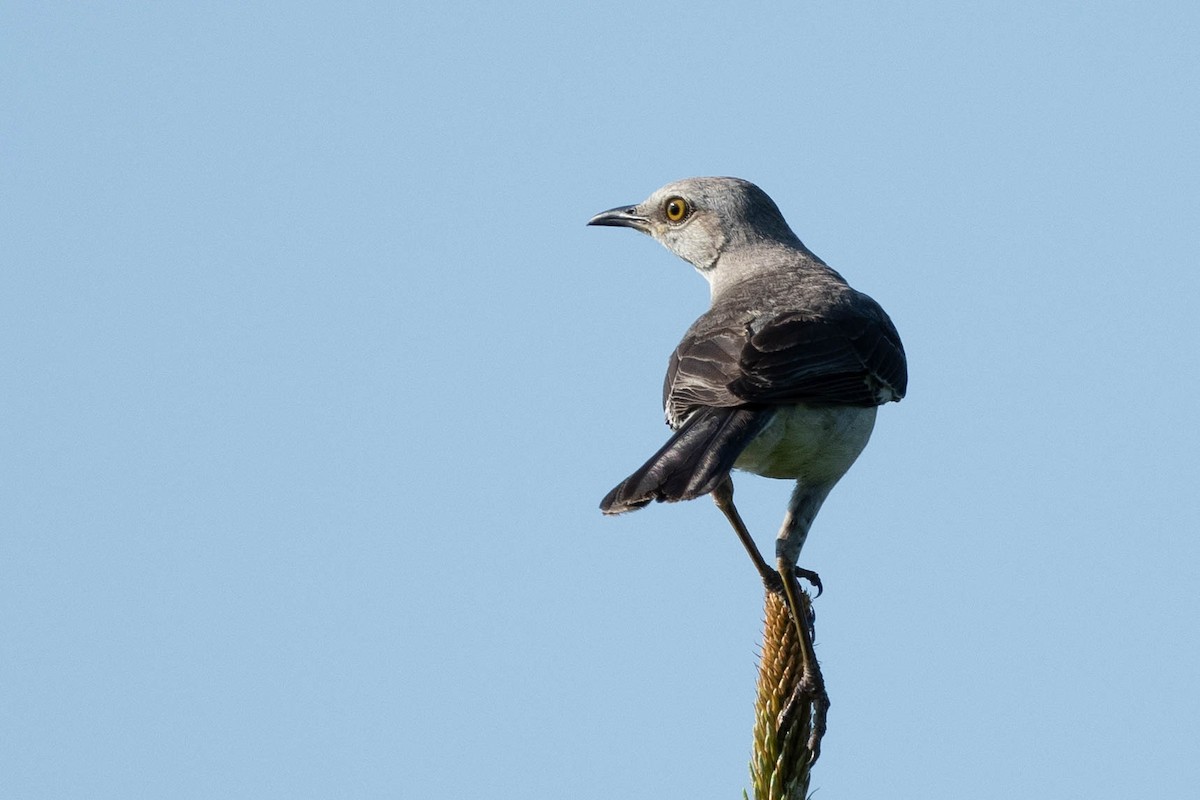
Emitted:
pixel 314 377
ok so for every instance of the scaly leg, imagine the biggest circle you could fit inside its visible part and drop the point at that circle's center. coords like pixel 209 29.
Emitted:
pixel 723 497
pixel 810 689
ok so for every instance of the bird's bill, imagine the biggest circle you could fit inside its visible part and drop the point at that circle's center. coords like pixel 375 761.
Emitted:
pixel 621 217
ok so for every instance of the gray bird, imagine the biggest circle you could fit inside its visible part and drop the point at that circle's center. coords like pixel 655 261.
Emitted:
pixel 780 377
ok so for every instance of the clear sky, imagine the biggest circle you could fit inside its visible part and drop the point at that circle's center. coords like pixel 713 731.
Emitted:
pixel 313 378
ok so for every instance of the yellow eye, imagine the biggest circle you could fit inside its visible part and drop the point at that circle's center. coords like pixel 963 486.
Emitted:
pixel 676 209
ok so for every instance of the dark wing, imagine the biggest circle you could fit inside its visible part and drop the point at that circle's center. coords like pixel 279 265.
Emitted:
pixel 849 354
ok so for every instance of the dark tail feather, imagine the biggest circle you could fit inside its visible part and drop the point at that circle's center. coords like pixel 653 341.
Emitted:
pixel 692 463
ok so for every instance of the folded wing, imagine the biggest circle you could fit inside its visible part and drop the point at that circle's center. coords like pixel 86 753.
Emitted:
pixel 843 356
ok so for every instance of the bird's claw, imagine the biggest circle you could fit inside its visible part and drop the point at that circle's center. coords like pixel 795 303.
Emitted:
pixel 808 693
pixel 811 577
pixel 773 581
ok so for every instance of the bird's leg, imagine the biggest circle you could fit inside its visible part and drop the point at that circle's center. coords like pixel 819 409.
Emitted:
pixel 723 497
pixel 810 688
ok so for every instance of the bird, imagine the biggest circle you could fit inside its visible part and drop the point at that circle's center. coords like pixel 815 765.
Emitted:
pixel 781 376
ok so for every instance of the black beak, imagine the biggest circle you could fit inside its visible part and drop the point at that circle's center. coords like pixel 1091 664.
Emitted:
pixel 621 217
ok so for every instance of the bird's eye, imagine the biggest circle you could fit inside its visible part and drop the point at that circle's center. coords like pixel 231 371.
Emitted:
pixel 676 208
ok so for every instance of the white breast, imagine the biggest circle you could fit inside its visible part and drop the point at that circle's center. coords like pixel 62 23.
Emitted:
pixel 812 444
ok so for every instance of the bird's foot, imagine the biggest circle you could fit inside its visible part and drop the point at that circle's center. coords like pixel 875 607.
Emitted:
pixel 808 704
pixel 808 696
pixel 811 577
pixel 773 581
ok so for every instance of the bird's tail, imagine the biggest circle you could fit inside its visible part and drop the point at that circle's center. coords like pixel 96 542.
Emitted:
pixel 693 462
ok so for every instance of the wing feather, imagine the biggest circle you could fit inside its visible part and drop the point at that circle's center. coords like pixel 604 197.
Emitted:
pixel 847 354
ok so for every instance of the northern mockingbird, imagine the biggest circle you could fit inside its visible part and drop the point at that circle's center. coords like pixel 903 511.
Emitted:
pixel 780 377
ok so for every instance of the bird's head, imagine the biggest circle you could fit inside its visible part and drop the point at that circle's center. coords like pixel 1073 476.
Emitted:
pixel 699 219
